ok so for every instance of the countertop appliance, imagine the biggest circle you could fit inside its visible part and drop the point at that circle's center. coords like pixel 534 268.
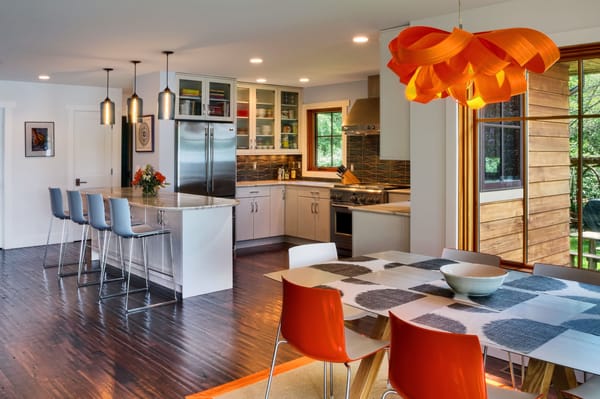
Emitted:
pixel 205 158
pixel 344 196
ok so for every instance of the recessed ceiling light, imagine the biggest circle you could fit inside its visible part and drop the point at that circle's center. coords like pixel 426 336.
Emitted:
pixel 360 39
pixel 304 80
pixel 256 60
pixel 43 77
pixel 261 80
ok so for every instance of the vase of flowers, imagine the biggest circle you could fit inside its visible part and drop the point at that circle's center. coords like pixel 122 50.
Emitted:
pixel 150 180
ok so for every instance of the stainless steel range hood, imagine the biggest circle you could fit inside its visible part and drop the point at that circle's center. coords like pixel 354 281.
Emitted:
pixel 363 118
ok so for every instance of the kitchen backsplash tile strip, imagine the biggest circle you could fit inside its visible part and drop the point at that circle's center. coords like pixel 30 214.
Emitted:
pixel 363 153
pixel 266 166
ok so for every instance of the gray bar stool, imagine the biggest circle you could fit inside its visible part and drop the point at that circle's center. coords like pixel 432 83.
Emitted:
pixel 97 221
pixel 120 216
pixel 58 212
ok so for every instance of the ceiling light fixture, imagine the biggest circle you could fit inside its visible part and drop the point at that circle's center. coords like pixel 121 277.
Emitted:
pixel 304 80
pixel 43 77
pixel 261 80
pixel 360 39
pixel 107 107
pixel 474 68
pixel 166 98
pixel 134 103
pixel 256 60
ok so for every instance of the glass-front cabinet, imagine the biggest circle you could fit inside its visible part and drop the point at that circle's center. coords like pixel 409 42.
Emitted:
pixel 267 119
pixel 204 98
pixel 289 119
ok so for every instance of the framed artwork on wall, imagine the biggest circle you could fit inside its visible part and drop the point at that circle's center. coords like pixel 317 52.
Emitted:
pixel 39 139
pixel 144 134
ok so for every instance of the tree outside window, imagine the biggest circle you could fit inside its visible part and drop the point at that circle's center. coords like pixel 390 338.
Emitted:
pixel 325 139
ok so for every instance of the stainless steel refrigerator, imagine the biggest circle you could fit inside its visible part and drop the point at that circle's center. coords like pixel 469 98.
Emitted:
pixel 205 158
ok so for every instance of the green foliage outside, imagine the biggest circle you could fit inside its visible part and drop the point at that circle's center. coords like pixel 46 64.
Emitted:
pixel 591 136
pixel 329 139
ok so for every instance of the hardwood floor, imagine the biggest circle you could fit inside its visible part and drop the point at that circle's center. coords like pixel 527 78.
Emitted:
pixel 58 341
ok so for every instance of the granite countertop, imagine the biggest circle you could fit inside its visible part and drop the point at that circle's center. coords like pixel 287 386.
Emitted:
pixel 401 208
pixel 164 199
pixel 311 183
pixel 400 191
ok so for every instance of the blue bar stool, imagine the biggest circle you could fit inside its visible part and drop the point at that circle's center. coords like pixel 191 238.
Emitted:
pixel 97 221
pixel 58 212
pixel 120 216
pixel 77 216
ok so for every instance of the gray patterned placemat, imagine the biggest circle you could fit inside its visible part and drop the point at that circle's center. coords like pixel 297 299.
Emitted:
pixel 352 280
pixel 432 264
pixel 343 269
pixel 441 323
pixel 537 283
pixel 502 299
pixel 393 265
pixel 590 326
pixel 386 298
pixel 521 335
pixel 434 290
pixel 358 259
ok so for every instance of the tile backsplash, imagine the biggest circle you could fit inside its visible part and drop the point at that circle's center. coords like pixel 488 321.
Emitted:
pixel 362 152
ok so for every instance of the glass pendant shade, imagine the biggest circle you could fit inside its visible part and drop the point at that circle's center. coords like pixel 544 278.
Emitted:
pixel 107 107
pixel 135 107
pixel 134 103
pixel 166 98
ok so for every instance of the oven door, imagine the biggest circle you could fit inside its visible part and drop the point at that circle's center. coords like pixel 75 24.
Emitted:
pixel 341 228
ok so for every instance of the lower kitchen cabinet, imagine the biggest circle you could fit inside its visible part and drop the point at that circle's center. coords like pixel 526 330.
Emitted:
pixel 277 214
pixel 307 213
pixel 252 215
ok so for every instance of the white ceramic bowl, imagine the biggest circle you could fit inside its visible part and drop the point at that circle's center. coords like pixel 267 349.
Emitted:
pixel 473 279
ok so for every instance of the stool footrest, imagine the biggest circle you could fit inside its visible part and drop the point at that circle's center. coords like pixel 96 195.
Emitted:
pixel 153 305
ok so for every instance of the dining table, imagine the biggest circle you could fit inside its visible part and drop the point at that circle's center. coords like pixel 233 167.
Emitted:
pixel 554 323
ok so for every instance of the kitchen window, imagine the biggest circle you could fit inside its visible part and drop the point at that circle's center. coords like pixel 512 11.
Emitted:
pixel 325 139
pixel 500 130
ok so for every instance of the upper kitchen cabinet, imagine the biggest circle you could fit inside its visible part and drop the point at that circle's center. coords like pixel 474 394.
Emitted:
pixel 394 140
pixel 204 98
pixel 267 119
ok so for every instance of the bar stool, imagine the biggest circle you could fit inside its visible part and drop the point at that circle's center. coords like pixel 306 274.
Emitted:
pixel 120 216
pixel 77 215
pixel 97 221
pixel 58 212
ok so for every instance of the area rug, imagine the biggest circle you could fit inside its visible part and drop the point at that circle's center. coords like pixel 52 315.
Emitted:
pixel 300 378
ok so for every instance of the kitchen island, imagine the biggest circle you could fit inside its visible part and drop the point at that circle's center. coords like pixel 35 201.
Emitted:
pixel 202 231
pixel 380 227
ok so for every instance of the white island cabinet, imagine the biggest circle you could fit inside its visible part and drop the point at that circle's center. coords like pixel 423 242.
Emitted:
pixel 202 238
pixel 381 227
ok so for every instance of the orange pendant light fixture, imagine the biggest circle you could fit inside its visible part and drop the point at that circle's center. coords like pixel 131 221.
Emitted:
pixel 473 68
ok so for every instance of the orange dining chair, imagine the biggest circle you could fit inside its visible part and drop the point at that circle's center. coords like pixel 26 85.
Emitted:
pixel 431 364
pixel 312 321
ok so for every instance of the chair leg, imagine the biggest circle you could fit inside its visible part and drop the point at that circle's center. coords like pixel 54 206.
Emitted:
pixel 511 369
pixel 324 380
pixel 44 265
pixel 278 341
pixel 348 376
pixel 61 250
pixel 331 380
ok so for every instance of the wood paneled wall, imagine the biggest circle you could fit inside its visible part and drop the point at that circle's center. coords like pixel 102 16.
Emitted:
pixel 502 228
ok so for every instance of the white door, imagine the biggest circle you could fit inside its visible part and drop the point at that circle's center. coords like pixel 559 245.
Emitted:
pixel 92 153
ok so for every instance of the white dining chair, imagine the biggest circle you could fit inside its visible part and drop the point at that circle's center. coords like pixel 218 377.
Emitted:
pixel 590 389
pixel 310 254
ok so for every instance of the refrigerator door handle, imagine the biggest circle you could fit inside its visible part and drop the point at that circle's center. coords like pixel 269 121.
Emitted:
pixel 212 158
pixel 207 160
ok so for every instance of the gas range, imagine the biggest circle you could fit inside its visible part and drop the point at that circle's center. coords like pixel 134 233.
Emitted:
pixel 361 194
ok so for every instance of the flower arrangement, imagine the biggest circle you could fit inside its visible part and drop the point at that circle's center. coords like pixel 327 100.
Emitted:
pixel 149 179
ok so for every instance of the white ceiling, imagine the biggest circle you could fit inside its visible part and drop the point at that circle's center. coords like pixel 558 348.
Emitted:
pixel 72 40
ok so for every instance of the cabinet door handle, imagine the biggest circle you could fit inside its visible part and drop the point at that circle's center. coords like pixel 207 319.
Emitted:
pixel 316 207
pixel 256 209
pixel 251 206
pixel 312 208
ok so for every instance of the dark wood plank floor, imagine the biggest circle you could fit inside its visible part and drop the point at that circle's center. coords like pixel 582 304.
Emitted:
pixel 58 341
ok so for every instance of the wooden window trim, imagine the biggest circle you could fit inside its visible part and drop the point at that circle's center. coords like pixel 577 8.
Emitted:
pixel 311 137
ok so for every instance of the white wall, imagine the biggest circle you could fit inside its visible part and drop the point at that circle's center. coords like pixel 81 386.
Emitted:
pixel 26 180
pixel 343 91
pixel 433 127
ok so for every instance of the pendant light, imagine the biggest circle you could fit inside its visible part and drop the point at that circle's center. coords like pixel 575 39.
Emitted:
pixel 166 98
pixel 134 103
pixel 107 107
